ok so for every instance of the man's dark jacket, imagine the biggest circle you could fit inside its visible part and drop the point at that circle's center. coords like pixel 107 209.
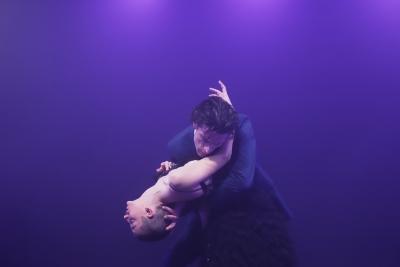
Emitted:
pixel 232 184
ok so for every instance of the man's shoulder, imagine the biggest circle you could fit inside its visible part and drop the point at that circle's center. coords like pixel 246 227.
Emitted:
pixel 185 135
pixel 244 124
pixel 242 117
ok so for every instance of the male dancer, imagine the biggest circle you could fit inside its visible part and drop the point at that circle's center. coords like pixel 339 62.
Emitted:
pixel 246 222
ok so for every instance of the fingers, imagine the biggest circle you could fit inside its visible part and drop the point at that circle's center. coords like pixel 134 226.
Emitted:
pixel 162 167
pixel 222 85
pixel 221 91
pixel 170 226
pixel 167 165
pixel 218 92
pixel 169 210
pixel 223 94
pixel 171 218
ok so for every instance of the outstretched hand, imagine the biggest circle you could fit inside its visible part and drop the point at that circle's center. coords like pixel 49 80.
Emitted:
pixel 222 93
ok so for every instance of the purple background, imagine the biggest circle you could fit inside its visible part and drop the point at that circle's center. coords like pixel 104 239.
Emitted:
pixel 90 93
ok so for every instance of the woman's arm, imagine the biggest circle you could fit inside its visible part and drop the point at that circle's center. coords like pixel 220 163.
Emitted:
pixel 196 171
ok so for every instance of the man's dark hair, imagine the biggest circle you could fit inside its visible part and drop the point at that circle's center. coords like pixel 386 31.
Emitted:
pixel 154 229
pixel 216 114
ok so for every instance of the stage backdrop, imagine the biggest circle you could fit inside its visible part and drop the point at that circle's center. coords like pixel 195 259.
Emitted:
pixel 91 92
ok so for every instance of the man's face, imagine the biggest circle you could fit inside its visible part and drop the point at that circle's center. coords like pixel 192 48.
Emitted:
pixel 133 215
pixel 207 141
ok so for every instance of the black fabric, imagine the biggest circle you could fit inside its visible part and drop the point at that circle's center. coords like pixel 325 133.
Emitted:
pixel 246 239
pixel 190 245
pixel 252 233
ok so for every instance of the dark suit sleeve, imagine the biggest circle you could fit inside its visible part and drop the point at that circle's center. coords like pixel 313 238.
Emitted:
pixel 181 148
pixel 240 170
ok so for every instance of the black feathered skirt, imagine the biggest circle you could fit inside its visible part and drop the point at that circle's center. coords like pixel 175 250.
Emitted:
pixel 249 237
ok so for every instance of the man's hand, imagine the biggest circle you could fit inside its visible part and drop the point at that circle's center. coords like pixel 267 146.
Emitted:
pixel 170 218
pixel 221 93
